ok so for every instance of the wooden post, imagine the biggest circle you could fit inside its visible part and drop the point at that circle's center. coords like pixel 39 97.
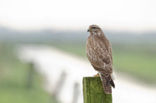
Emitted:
pixel 76 92
pixel 58 87
pixel 93 91
pixel 30 75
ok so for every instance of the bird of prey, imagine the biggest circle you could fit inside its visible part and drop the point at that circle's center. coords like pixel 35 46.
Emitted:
pixel 99 53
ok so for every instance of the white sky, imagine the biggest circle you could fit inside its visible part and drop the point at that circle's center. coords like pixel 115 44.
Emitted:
pixel 78 14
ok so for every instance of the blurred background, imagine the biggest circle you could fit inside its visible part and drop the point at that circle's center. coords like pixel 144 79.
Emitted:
pixel 42 49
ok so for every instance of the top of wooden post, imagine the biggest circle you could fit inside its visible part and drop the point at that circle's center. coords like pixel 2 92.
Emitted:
pixel 93 91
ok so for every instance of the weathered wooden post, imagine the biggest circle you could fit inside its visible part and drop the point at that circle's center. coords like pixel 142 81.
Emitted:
pixel 58 87
pixel 93 91
pixel 75 92
pixel 30 75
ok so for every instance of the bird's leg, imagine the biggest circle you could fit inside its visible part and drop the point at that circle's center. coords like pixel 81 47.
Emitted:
pixel 97 75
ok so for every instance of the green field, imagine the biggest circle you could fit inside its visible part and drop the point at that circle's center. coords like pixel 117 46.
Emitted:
pixel 14 77
pixel 137 60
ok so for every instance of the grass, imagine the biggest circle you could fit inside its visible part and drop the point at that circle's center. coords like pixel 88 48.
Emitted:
pixel 74 48
pixel 13 80
pixel 141 65
pixel 137 60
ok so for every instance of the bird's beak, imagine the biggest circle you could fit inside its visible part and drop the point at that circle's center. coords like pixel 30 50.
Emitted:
pixel 88 30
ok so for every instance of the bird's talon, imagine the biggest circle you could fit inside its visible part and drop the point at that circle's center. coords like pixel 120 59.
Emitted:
pixel 97 75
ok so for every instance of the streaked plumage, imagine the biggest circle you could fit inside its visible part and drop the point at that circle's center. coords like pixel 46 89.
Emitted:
pixel 99 53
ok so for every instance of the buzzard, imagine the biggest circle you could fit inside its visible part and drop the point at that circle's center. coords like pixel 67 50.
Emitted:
pixel 99 53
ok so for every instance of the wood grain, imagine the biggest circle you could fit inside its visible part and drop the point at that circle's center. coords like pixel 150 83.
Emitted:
pixel 93 91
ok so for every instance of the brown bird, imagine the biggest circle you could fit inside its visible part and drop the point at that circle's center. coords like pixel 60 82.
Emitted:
pixel 99 53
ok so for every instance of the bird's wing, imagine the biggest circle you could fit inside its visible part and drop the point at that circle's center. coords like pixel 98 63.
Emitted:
pixel 99 55
pixel 105 51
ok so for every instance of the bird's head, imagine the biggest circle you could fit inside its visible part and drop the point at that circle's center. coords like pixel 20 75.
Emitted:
pixel 95 30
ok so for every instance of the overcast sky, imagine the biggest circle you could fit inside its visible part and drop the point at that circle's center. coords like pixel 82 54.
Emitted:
pixel 78 14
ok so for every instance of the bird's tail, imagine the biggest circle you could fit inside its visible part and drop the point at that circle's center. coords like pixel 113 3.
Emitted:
pixel 107 82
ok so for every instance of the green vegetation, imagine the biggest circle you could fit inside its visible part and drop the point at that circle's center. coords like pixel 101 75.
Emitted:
pixel 142 65
pixel 137 60
pixel 13 80
pixel 75 48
